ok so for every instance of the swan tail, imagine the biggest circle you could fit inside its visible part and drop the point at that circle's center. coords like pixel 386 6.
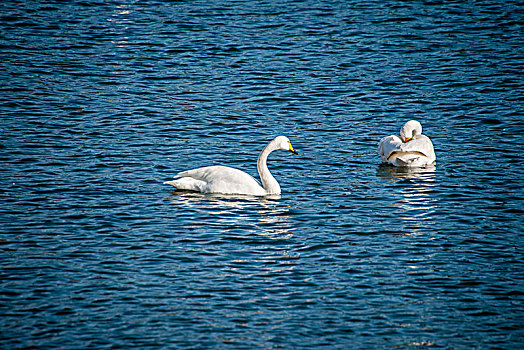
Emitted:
pixel 404 162
pixel 408 159
pixel 187 184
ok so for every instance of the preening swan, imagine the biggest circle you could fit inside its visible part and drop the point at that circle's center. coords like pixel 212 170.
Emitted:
pixel 412 149
pixel 226 180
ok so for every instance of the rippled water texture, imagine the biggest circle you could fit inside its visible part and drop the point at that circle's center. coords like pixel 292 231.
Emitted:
pixel 101 102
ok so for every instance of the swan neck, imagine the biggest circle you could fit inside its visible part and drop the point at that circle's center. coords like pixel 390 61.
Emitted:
pixel 269 183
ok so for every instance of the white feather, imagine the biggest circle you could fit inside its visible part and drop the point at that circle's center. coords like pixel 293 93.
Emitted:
pixel 418 151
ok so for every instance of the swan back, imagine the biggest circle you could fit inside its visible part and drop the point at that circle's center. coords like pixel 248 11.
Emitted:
pixel 218 179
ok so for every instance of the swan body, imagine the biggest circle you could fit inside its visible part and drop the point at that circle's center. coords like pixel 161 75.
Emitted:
pixel 411 149
pixel 226 180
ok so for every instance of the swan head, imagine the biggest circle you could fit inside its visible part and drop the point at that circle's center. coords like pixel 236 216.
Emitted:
pixel 283 143
pixel 410 130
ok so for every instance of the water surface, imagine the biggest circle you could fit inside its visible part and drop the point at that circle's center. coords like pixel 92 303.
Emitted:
pixel 103 101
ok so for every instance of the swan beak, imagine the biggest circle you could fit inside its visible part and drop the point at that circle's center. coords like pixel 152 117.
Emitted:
pixel 408 139
pixel 292 150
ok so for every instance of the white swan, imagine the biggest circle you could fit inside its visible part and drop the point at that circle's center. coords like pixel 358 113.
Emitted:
pixel 412 149
pixel 226 180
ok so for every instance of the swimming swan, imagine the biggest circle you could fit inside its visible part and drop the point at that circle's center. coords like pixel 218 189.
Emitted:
pixel 412 149
pixel 226 180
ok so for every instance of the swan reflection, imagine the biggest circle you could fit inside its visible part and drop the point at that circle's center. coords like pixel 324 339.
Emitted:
pixel 413 195
pixel 387 171
pixel 254 215
pixel 243 231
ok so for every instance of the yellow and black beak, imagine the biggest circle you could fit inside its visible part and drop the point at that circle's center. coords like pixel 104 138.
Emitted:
pixel 291 149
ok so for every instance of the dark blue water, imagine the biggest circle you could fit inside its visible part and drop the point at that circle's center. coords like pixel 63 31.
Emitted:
pixel 101 102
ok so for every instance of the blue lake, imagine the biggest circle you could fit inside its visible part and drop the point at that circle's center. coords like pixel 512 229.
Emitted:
pixel 101 102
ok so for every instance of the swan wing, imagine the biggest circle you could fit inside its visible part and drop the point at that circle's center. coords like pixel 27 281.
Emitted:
pixel 218 179
pixel 215 172
pixel 387 145
pixel 421 144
